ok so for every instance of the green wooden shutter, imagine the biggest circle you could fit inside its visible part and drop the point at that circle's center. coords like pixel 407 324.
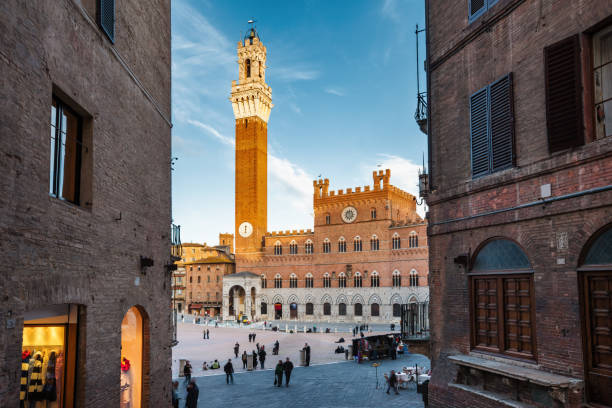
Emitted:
pixel 479 132
pixel 502 124
pixel 563 94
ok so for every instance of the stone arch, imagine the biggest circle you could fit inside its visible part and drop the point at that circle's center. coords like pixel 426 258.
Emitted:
pixel 292 299
pixel 357 299
pixel 341 299
pixel 395 298
pixel 277 299
pixel 326 299
pixel 264 299
pixel 413 298
pixel 309 299
pixel 374 299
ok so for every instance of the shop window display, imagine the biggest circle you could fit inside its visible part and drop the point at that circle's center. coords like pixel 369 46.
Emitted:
pixel 48 357
pixel 131 358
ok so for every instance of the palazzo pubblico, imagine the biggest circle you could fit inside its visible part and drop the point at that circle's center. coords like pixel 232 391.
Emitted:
pixel 366 256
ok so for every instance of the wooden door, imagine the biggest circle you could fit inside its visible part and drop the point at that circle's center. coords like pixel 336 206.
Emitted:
pixel 597 307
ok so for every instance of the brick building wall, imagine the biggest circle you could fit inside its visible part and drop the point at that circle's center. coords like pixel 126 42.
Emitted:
pixel 59 253
pixel 465 212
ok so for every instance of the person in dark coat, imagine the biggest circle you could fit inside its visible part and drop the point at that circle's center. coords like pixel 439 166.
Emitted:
pixel 236 349
pixel 307 350
pixel 229 371
pixel 254 359
pixel 254 334
pixel 187 372
pixel 244 360
pixel 262 356
pixel 250 337
pixel 288 367
pixel 207 334
pixel 193 392
pixel 278 373
pixel 392 382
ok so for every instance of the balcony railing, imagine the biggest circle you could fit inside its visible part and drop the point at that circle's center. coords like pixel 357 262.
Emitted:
pixel 421 111
pixel 175 241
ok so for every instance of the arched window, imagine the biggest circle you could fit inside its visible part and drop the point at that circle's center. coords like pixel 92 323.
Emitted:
pixel 373 213
pixel 326 280
pixel 397 242
pixel 357 280
pixel 135 346
pixel 358 309
pixel 341 245
pixel 374 279
pixel 264 282
pixel 375 309
pixel 309 280
pixel 501 293
pixel 326 309
pixel 327 219
pixel 326 246
pixel 293 248
pixel 199 279
pixel 342 280
pixel 342 309
pixel 397 310
pixel 414 278
pixel 278 281
pixel 413 240
pixel 309 309
pixel 357 244
pixel 264 308
pixel 191 279
pixel 247 65
pixel 278 248
pixel 397 279
pixel 293 281
pixel 374 243
pixel 308 248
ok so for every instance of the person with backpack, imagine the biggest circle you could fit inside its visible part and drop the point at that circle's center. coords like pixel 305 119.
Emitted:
pixel 229 371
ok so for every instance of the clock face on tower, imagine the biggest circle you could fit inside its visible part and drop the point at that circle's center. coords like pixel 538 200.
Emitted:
pixel 245 229
pixel 349 214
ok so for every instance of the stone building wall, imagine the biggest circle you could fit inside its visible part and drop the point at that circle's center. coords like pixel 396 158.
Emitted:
pixel 59 253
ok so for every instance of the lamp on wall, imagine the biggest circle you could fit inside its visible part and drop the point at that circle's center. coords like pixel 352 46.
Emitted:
pixel 463 259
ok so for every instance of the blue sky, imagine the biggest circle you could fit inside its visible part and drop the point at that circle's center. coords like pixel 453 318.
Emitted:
pixel 343 78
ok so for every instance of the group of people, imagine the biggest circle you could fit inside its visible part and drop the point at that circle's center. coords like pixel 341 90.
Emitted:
pixel 205 334
pixel 283 368
pixel 252 337
pixel 360 329
pixel 193 392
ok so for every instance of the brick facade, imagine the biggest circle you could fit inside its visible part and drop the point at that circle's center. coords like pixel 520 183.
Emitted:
pixel 465 212
pixel 89 254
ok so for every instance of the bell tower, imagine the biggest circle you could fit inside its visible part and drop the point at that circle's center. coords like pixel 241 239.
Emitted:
pixel 251 100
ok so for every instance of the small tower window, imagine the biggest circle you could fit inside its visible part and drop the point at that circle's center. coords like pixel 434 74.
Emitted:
pixel 248 68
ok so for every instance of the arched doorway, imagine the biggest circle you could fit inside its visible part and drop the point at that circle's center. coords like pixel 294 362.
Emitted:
pixel 595 282
pixel 293 310
pixel 278 311
pixel 236 301
pixel 134 358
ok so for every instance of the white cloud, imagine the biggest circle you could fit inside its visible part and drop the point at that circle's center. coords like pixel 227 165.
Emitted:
pixel 294 73
pixel 214 132
pixel 389 10
pixel 334 91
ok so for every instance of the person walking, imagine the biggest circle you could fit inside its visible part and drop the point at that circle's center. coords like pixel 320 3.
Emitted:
pixel 254 360
pixel 236 349
pixel 392 382
pixel 278 373
pixel 262 356
pixel 204 334
pixel 254 334
pixel 307 352
pixel 229 371
pixel 244 360
pixel 193 392
pixel 207 334
pixel 175 397
pixel 187 372
pixel 250 337
pixel 288 367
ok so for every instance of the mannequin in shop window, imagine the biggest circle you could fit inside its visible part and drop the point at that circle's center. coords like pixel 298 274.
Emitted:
pixel 35 386
pixel 125 383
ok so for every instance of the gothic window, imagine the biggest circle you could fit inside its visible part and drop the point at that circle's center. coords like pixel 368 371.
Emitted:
pixel 278 248
pixel 413 240
pixel 248 68
pixel 375 309
pixel 199 268
pixel 199 279
pixel 264 308
pixel 309 308
pixel 191 279
pixel 326 280
pixel 308 248
pixel 373 213
pixel 342 309
pixel 501 299
pixel 357 280
pixel 327 219
pixel 293 282
pixel 397 279
pixel 374 243
pixel 341 280
pixel 374 280
pixel 341 245
pixel 397 310
pixel 358 309
pixel 397 243
pixel 264 282
pixel 414 278
pixel 278 281
pixel 326 309
pixel 309 280
pixel 357 244
pixel 293 248
pixel 326 246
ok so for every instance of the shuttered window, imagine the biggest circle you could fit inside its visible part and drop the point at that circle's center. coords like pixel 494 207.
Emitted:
pixel 106 17
pixel 563 94
pixel 492 127
pixel 477 7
